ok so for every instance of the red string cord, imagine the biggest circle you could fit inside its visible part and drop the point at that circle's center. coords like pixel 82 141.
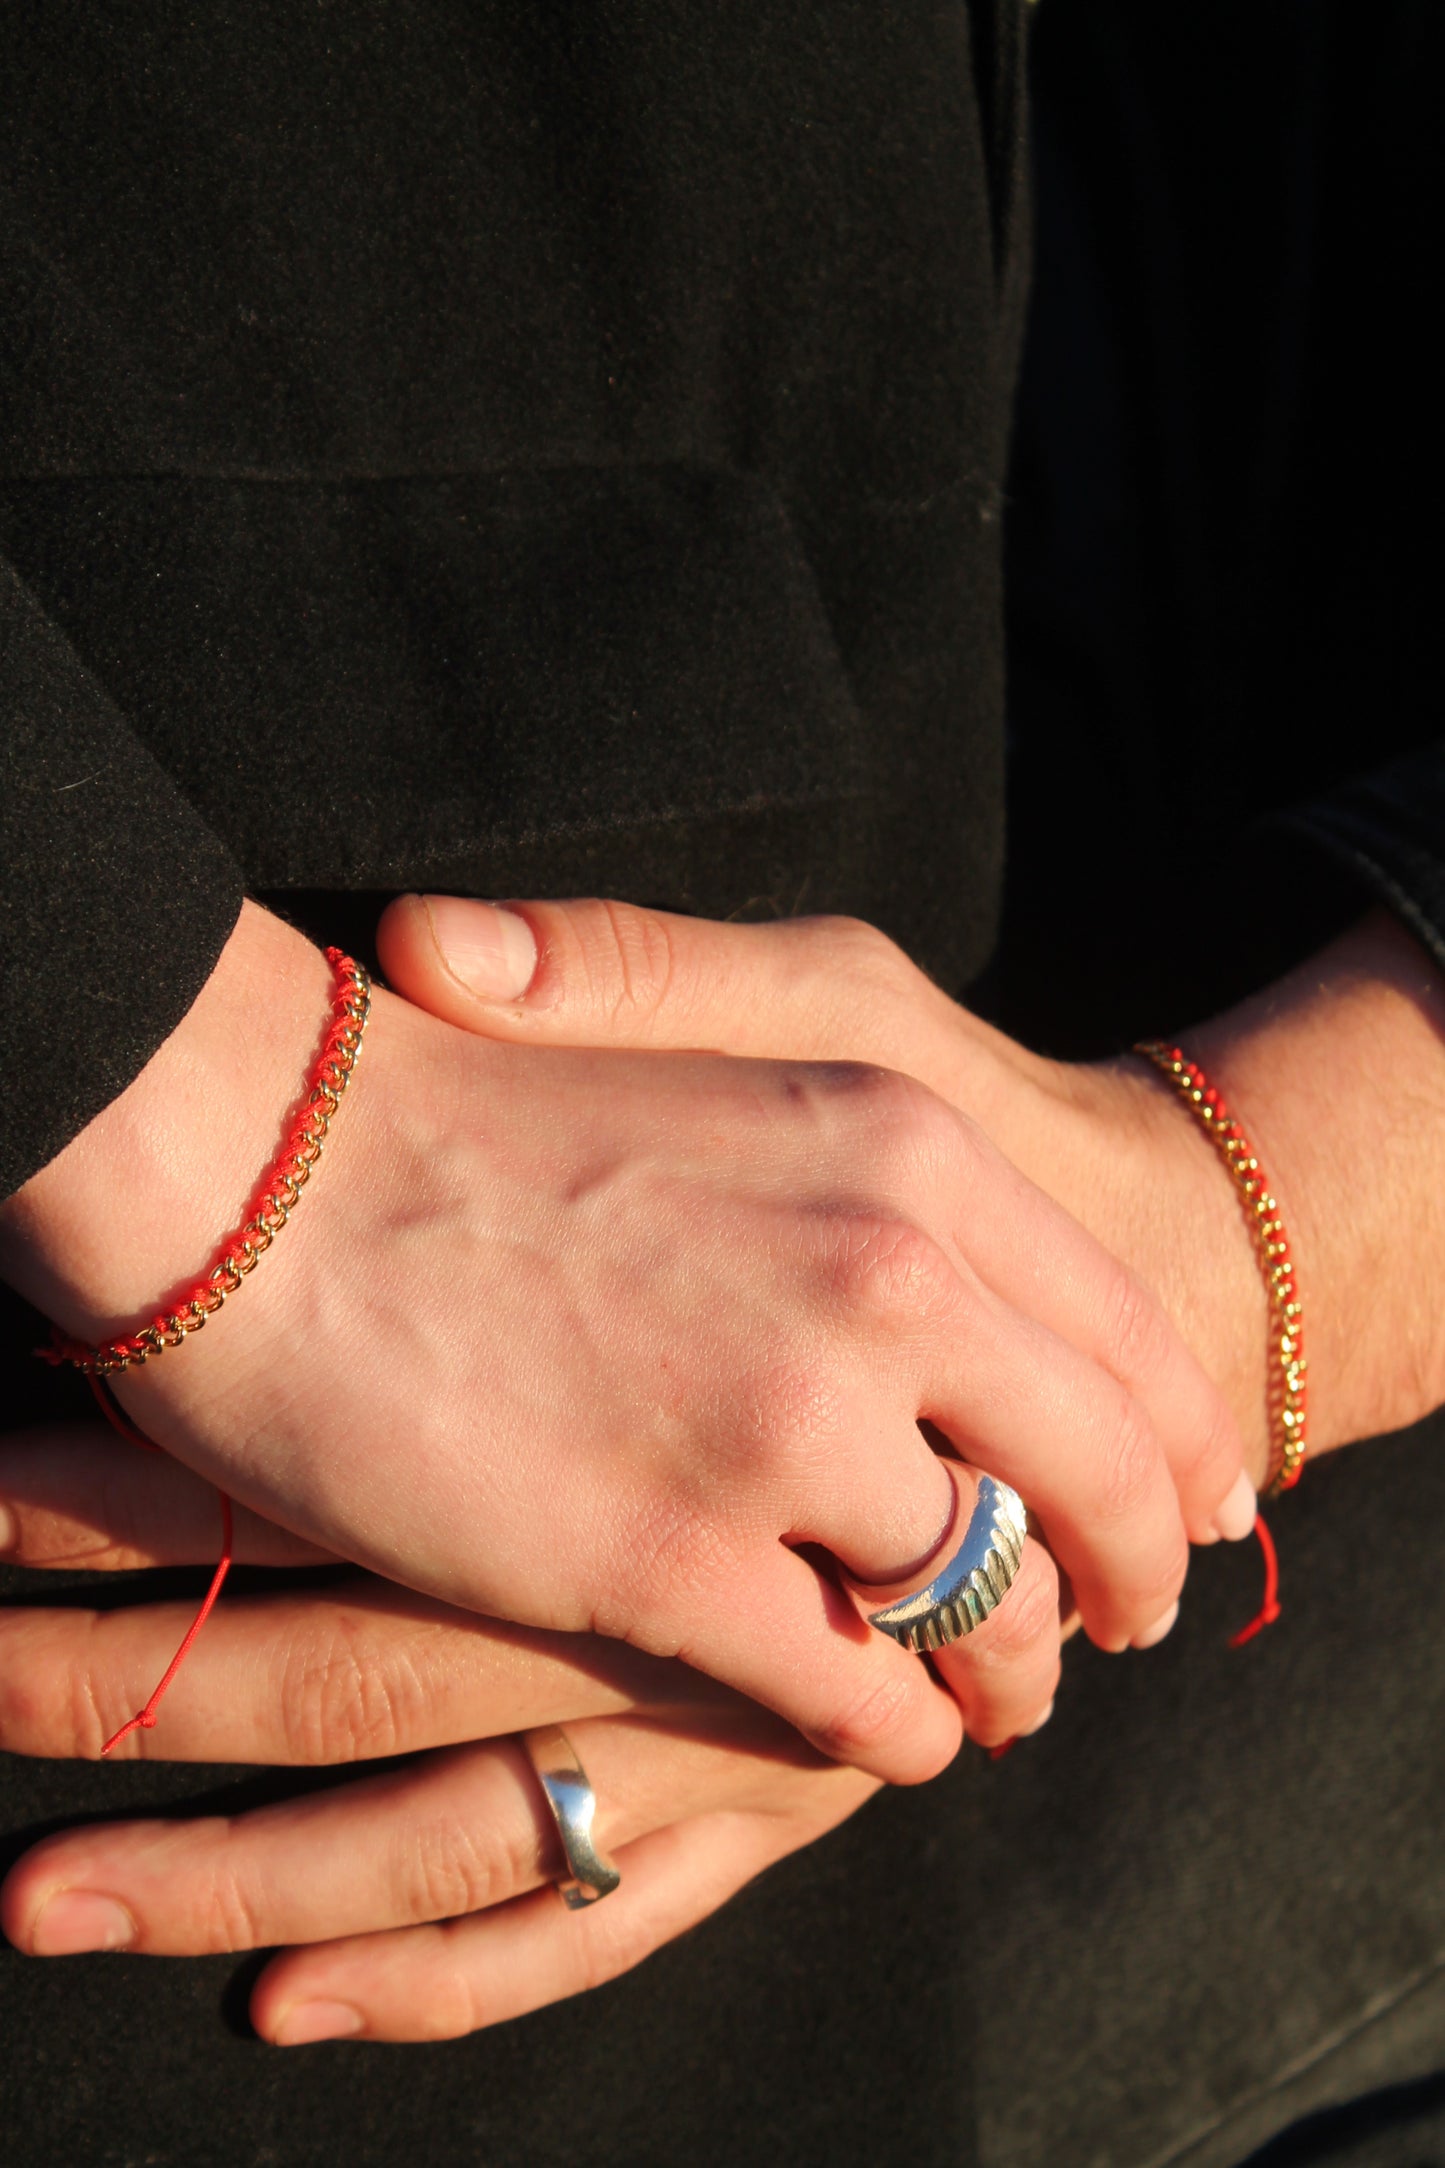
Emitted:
pixel 1269 1610
pixel 145 1719
pixel 275 1201
pixel 279 1194
pixel 1266 1615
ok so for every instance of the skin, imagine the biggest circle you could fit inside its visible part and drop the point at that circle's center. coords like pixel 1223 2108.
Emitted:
pixel 756 1278
pixel 1337 1070
pixel 1349 1046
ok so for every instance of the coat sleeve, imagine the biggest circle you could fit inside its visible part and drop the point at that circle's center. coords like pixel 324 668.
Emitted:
pixel 115 898
pixel 1384 834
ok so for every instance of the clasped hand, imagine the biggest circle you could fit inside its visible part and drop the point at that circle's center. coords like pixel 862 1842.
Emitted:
pixel 630 1343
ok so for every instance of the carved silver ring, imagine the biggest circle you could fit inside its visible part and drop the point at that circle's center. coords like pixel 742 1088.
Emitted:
pixel 974 1581
pixel 572 1804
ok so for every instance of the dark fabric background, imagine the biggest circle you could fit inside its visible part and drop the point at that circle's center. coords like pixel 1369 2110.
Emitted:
pixel 497 447
pixel 1208 1900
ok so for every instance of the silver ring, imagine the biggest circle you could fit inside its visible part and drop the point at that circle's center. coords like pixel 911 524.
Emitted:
pixel 573 1803
pixel 974 1581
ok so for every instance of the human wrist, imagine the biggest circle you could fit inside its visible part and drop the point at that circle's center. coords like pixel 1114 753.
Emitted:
pixel 1338 1072
pixel 137 1202
pixel 1114 1148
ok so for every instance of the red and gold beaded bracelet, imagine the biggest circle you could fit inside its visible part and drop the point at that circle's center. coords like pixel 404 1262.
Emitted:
pixel 1287 1406
pixel 279 1194
pixel 276 1200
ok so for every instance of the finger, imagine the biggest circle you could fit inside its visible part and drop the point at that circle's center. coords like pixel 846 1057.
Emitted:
pixel 457 1832
pixel 76 1495
pixel 1090 1300
pixel 1004 1673
pixel 359 1670
pixel 436 1983
pixel 854 1694
pixel 600 972
pixel 312 1678
pixel 1025 1406
pixel 1012 1398
pixel 597 972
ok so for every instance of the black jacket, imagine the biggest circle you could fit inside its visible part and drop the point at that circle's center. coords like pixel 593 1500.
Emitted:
pixel 531 450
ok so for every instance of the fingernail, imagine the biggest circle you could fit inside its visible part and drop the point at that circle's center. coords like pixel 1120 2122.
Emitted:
pixel 1158 1630
pixel 9 1531
pixel 308 2021
pixel 1038 1723
pixel 77 1919
pixel 492 951
pixel 1236 1517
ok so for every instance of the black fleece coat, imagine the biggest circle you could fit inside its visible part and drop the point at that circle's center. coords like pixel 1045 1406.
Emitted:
pixel 552 450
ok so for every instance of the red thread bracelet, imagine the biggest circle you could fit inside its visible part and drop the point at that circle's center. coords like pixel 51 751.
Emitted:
pixel 276 1200
pixel 279 1194
pixel 1288 1407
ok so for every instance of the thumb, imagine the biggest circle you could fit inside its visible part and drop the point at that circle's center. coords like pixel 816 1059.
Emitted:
pixel 600 973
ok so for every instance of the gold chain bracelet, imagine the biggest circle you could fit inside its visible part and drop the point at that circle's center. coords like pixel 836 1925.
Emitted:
pixel 1286 1387
pixel 279 1195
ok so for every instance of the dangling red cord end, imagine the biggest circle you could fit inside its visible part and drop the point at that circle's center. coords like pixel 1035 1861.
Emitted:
pixel 1269 1609
pixel 146 1719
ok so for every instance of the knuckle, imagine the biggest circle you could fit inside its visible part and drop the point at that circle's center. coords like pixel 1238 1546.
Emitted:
pixel 445 1869
pixel 873 1723
pixel 792 1411
pixel 664 1565
pixel 821 1085
pixel 613 1943
pixel 926 1139
pixel 1215 1454
pixel 1135 1335
pixel 1028 1615
pixel 93 1711
pixel 892 1271
pixel 1128 1466
pixel 229 1918
pixel 335 1703
pixel 863 950
pixel 455 2001
pixel 880 1125
pixel 630 960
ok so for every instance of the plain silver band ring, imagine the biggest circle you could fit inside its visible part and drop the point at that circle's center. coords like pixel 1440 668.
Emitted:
pixel 973 1582
pixel 572 1803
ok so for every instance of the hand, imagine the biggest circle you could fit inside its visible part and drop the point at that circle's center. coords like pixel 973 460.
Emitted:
pixel 1338 1073
pixel 600 1340
pixel 420 1891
